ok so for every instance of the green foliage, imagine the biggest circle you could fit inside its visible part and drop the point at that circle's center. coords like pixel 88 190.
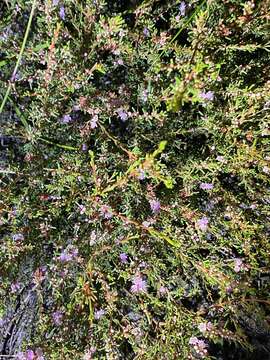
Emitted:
pixel 136 155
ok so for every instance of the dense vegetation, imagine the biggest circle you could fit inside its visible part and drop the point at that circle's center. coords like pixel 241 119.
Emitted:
pixel 134 205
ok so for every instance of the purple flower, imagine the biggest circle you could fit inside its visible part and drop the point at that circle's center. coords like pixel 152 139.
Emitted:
pixel 65 257
pixel 209 95
pixel 15 76
pixel 142 264
pixel 182 8
pixel 68 254
pixel 120 62
pixel 55 2
pixel 99 314
pixel 138 285
pixel 88 353
pixel 20 356
pixel 193 340
pixel 15 287
pixel 162 290
pixel 238 265
pixel 146 224
pixel 144 95
pixel 266 105
pixel 199 346
pixel 30 355
pixel 106 212
pixel 93 122
pixel 123 258
pixel 57 317
pixel 82 209
pixel 146 32
pixel 73 251
pixel 155 206
pixel 206 186
pixel 221 159
pixel 66 119
pixel 76 108
pixel 122 114
pixel 39 354
pixel 62 12
pixel 18 237
pixel 134 316
pixel 203 223
pixel 84 147
pixel 141 174
pixel 204 327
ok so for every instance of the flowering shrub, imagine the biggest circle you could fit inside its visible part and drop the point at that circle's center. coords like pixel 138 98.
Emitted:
pixel 134 205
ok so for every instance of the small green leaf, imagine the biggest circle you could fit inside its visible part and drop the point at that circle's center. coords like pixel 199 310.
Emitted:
pixel 168 183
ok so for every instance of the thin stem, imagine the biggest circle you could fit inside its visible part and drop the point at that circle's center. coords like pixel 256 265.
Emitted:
pixel 66 147
pixel 19 57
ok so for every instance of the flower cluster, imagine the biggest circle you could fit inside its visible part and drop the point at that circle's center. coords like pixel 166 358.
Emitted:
pixel 199 346
pixel 68 254
pixel 203 223
pixel 106 212
pixel 138 285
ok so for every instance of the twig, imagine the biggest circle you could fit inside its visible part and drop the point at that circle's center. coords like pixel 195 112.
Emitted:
pixel 117 143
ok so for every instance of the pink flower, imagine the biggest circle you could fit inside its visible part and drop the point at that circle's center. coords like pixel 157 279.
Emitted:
pixel 139 285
